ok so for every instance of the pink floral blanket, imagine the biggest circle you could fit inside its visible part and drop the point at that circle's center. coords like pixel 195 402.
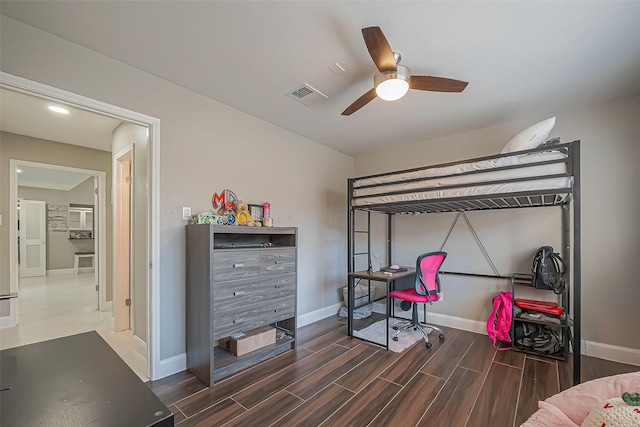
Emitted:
pixel 570 407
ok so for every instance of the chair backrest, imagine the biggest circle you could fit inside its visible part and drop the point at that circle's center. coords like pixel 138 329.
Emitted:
pixel 427 267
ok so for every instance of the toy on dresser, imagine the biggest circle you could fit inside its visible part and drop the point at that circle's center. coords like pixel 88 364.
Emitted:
pixel 243 217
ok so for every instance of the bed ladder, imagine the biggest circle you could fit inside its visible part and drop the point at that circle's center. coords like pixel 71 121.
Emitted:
pixel 359 231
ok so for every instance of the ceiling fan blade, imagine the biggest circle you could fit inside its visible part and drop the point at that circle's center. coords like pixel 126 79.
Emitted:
pixel 379 49
pixel 436 84
pixel 360 102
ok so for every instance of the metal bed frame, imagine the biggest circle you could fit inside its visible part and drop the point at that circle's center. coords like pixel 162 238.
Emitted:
pixel 567 198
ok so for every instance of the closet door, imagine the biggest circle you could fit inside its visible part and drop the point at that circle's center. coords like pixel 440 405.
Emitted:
pixel 33 238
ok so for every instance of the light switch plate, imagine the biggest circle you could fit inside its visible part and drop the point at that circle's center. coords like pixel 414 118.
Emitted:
pixel 186 213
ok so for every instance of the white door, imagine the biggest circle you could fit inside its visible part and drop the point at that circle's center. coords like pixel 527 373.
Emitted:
pixel 122 243
pixel 33 238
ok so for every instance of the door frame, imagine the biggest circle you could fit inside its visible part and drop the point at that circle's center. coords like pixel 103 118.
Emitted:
pixel 33 88
pixel 100 227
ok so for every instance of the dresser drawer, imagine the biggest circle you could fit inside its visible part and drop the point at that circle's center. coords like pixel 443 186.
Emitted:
pixel 243 292
pixel 230 264
pixel 278 261
pixel 227 322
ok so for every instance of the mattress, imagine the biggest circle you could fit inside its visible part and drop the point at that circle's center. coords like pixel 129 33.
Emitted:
pixel 457 180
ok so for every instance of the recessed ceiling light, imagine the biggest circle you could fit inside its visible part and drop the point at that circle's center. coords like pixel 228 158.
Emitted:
pixel 58 109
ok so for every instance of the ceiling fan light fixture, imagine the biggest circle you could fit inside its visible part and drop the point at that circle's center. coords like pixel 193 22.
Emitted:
pixel 59 110
pixel 392 85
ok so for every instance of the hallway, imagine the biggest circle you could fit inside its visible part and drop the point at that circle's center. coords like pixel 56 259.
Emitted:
pixel 59 305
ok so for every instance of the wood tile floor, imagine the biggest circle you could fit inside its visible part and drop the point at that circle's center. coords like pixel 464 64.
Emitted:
pixel 331 380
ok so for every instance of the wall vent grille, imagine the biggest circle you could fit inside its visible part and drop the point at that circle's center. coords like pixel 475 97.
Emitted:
pixel 302 92
pixel 306 94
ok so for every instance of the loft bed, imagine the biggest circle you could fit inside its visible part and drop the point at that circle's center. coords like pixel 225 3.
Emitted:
pixel 547 175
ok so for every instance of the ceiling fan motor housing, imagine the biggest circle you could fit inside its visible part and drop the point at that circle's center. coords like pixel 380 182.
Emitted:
pixel 402 73
pixel 392 85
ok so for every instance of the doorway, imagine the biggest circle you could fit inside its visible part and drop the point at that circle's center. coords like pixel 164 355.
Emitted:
pixel 149 289
pixel 99 225
pixel 122 262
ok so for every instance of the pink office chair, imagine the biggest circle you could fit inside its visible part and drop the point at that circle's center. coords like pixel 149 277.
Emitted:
pixel 425 290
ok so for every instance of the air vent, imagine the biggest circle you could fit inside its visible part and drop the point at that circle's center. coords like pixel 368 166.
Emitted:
pixel 306 94
pixel 302 92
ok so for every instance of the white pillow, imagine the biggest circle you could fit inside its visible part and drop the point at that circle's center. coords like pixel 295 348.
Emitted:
pixel 531 137
pixel 613 412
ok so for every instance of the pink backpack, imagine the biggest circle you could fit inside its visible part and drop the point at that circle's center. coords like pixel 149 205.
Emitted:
pixel 499 322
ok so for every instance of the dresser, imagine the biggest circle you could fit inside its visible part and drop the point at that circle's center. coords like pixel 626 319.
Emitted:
pixel 238 279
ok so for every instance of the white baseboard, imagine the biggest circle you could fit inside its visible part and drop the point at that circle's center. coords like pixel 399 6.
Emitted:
pixel 171 365
pixel 314 316
pixel 440 319
pixel 58 271
pixel 175 364
pixel 613 352
pixel 139 355
pixel 594 349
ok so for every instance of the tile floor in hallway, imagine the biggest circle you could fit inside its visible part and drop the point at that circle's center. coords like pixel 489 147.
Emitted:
pixel 59 305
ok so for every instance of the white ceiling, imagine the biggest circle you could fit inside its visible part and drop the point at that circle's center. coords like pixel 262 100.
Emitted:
pixel 28 115
pixel 33 176
pixel 520 58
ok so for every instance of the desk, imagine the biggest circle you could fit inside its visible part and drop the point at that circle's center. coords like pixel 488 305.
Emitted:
pixel 378 276
pixel 74 381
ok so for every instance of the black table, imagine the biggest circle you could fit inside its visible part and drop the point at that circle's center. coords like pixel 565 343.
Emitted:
pixel 379 276
pixel 74 381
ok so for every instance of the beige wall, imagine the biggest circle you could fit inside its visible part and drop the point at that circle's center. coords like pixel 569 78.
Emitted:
pixel 610 144
pixel 22 147
pixel 206 147
pixel 60 250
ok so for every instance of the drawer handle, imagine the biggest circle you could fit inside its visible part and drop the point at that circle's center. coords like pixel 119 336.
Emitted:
pixel 238 293
pixel 279 285
pixel 237 320
pixel 239 265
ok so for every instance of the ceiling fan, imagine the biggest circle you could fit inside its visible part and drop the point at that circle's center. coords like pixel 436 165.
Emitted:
pixel 392 81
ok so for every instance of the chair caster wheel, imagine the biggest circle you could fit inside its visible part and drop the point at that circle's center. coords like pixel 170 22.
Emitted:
pixel 395 328
pixel 441 336
pixel 395 338
pixel 428 344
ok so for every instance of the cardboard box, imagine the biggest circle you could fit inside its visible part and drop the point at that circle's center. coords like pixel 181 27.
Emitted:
pixel 246 342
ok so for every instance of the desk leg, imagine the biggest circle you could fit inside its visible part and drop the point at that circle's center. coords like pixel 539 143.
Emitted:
pixel 387 311
pixel 351 302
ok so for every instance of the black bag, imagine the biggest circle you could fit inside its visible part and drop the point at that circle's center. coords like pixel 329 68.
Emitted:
pixel 548 269
pixel 538 338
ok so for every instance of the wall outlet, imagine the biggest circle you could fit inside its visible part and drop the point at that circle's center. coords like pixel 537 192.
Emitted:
pixel 186 213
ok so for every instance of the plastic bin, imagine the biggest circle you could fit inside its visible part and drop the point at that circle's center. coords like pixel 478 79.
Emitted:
pixel 361 296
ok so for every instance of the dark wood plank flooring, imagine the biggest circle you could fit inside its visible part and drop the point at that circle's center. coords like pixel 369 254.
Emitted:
pixel 331 380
